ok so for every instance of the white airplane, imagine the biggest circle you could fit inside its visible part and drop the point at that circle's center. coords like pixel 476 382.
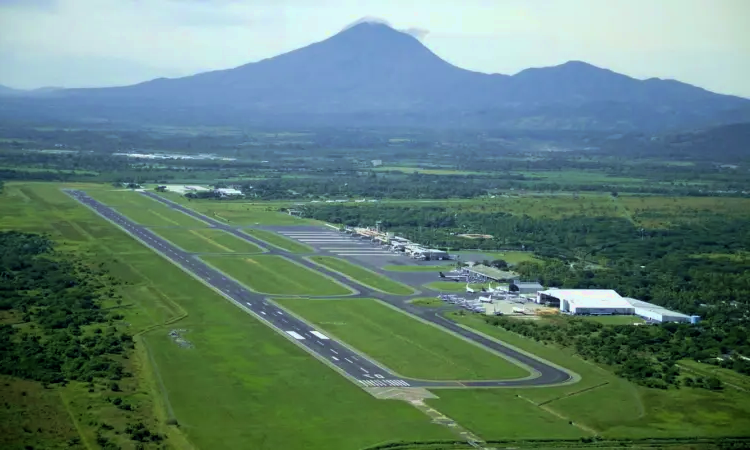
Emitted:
pixel 484 299
pixel 451 277
pixel 491 289
pixel 470 290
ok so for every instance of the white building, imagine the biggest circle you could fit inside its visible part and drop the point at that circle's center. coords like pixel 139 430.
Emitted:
pixel 586 301
pixel 656 313
pixel 228 191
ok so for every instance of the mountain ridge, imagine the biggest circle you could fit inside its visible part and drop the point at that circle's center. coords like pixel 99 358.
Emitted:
pixel 371 74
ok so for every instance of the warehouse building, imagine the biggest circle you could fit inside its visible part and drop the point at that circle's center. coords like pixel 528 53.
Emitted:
pixel 658 314
pixel 525 287
pixel 481 273
pixel 586 301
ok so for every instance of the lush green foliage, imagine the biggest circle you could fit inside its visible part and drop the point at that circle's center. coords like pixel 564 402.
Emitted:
pixel 56 300
pixel 644 354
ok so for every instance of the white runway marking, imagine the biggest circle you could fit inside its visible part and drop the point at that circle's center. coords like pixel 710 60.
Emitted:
pixel 334 351
pixel 363 370
pixel 384 383
pixel 263 312
pixel 295 335
pixel 334 358
pixel 348 360
pixel 319 335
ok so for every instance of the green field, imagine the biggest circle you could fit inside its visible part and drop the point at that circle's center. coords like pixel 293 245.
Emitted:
pixel 278 241
pixel 241 212
pixel 362 275
pixel 272 274
pixel 453 286
pixel 121 197
pixel 207 240
pixel 510 257
pixel 411 268
pixel 402 343
pixel 160 216
pixel 241 385
pixel 631 411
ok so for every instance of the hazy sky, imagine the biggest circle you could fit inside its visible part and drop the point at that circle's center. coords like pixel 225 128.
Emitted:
pixel 77 43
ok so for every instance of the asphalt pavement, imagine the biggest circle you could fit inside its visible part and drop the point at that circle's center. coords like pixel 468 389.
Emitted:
pixel 366 372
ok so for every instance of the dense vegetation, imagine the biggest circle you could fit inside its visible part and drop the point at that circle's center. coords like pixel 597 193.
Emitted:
pixel 328 163
pixel 645 355
pixel 55 329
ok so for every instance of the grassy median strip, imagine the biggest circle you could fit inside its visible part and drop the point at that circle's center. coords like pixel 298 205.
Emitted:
pixel 272 274
pixel 278 240
pixel 403 343
pixel 207 240
pixel 362 275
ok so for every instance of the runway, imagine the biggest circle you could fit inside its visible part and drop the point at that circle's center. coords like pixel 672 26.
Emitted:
pixel 364 371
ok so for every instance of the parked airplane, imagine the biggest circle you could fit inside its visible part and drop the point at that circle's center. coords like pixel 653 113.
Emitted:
pixel 484 299
pixel 451 277
pixel 470 290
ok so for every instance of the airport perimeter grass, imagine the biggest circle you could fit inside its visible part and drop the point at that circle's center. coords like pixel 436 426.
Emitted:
pixel 241 385
pixel 160 216
pixel 273 274
pixel 277 240
pixel 207 240
pixel 239 212
pixel 362 275
pixel 601 401
pixel 510 257
pixel 402 343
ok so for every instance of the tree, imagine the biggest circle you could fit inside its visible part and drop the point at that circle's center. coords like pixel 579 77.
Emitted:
pixel 499 264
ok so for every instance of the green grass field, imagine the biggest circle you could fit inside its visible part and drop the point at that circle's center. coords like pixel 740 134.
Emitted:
pixel 160 215
pixel 631 411
pixel 121 197
pixel 278 241
pixel 241 212
pixel 510 257
pixel 362 275
pixel 241 385
pixel 272 274
pixel 207 240
pixel 404 344
pixel 453 286
pixel 411 268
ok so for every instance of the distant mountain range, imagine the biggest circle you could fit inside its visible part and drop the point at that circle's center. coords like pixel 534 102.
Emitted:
pixel 373 75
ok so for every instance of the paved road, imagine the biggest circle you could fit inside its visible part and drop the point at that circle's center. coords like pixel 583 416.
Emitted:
pixel 345 359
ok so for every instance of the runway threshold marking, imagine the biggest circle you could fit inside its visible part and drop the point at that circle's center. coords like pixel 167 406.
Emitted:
pixel 319 335
pixel 295 335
